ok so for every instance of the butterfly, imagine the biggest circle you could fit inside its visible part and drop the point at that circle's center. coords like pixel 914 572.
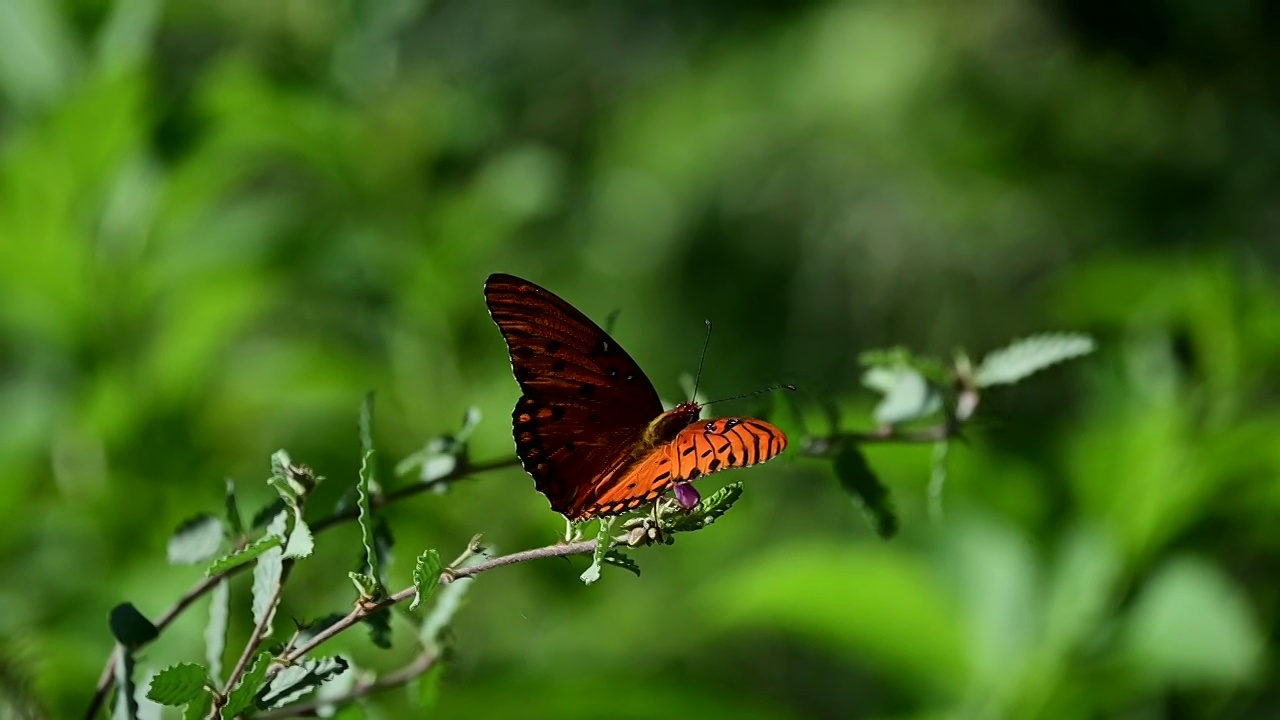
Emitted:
pixel 589 427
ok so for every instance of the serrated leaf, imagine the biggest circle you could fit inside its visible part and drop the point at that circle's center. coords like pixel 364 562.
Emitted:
pixel 858 479
pixel 280 462
pixel 247 554
pixel 604 541
pixel 615 557
pixel 131 628
pixel 126 706
pixel 241 697
pixel 267 574
pixel 296 681
pixel 380 628
pixel 178 684
pixel 196 540
pixel 199 708
pixel 365 517
pixel 301 543
pixel 706 512
pixel 148 709
pixel 426 576
pixel 907 395
pixel 234 521
pixel 366 587
pixel 215 633
pixel 1029 355
pixel 448 601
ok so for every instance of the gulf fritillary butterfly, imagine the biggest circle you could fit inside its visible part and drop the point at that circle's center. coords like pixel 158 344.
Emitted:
pixel 589 426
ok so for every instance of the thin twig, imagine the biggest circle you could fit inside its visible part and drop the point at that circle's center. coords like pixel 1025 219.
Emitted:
pixel 363 611
pixel 405 675
pixel 255 639
pixel 949 428
pixel 202 588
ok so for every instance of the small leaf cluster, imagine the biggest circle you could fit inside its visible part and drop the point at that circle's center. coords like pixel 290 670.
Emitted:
pixel 279 536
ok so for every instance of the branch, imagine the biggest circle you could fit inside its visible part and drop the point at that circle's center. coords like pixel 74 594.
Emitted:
pixel 949 428
pixel 107 679
pixel 363 611
pixel 255 640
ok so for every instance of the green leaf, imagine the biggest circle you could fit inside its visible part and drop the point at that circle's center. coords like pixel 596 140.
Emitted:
pixel 242 695
pixel 907 394
pixel 1193 625
pixel 1024 357
pixel 448 601
pixel 427 692
pixel 604 541
pixel 267 576
pixel 126 705
pixel 426 576
pixel 380 628
pixel 900 357
pixel 364 489
pixel 196 540
pixel 199 708
pixel 280 463
pixel 247 554
pixel 301 543
pixel 296 681
pixel 234 521
pixel 441 455
pixel 383 542
pixel 215 633
pixel 178 684
pixel 858 479
pixel 706 512
pixel 615 557
pixel 365 422
pixel 130 627
pixel 470 419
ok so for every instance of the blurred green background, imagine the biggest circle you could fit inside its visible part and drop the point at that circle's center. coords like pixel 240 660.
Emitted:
pixel 221 223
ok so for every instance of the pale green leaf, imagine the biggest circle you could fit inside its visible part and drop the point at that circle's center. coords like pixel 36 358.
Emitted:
pixel 196 540
pixel 215 632
pixel 1192 624
pixel 603 543
pixel 907 394
pixel 126 705
pixel 267 574
pixel 297 680
pixel 1024 357
pixel 448 601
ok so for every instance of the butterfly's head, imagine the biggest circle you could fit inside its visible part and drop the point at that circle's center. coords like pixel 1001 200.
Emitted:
pixel 664 428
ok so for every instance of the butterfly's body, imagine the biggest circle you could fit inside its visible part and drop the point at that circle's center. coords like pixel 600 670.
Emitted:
pixel 589 427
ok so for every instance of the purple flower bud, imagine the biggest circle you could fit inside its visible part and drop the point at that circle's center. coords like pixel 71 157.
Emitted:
pixel 687 496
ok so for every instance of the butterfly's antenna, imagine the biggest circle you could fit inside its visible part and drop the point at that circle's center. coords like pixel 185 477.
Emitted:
pixel 784 386
pixel 705 342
